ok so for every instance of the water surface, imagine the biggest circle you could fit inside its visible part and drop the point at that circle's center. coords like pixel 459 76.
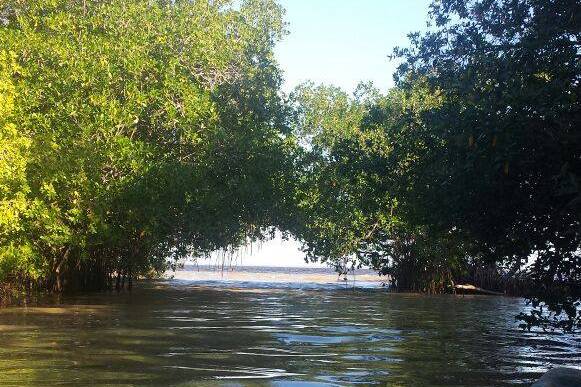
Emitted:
pixel 186 333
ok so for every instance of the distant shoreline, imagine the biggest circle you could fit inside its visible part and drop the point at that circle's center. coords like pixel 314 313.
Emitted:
pixel 260 269
pixel 274 275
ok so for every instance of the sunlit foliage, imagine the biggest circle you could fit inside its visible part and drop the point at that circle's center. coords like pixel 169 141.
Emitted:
pixel 133 132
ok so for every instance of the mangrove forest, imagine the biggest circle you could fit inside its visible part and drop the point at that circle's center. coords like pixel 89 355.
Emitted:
pixel 136 133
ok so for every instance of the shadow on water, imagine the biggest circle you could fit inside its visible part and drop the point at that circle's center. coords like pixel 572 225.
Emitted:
pixel 180 333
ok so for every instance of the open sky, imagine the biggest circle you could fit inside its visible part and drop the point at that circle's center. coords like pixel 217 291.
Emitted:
pixel 340 42
pixel 343 42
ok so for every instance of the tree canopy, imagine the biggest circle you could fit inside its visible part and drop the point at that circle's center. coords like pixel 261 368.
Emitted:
pixel 136 133
pixel 504 162
pixel 133 132
pixel 471 165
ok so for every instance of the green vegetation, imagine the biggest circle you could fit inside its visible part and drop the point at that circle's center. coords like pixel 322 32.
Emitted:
pixel 135 133
pixel 504 163
pixel 465 171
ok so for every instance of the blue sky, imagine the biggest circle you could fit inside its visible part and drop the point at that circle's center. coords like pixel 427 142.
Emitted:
pixel 344 42
pixel 340 42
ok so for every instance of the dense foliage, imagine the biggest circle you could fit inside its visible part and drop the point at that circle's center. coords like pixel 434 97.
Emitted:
pixel 470 169
pixel 358 156
pixel 504 162
pixel 133 132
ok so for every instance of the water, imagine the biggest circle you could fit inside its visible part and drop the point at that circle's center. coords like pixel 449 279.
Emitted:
pixel 207 332
pixel 292 277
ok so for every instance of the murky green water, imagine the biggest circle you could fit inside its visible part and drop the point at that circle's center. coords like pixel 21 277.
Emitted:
pixel 174 333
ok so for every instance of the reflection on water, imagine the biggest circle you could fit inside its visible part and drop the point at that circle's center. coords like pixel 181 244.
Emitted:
pixel 181 333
